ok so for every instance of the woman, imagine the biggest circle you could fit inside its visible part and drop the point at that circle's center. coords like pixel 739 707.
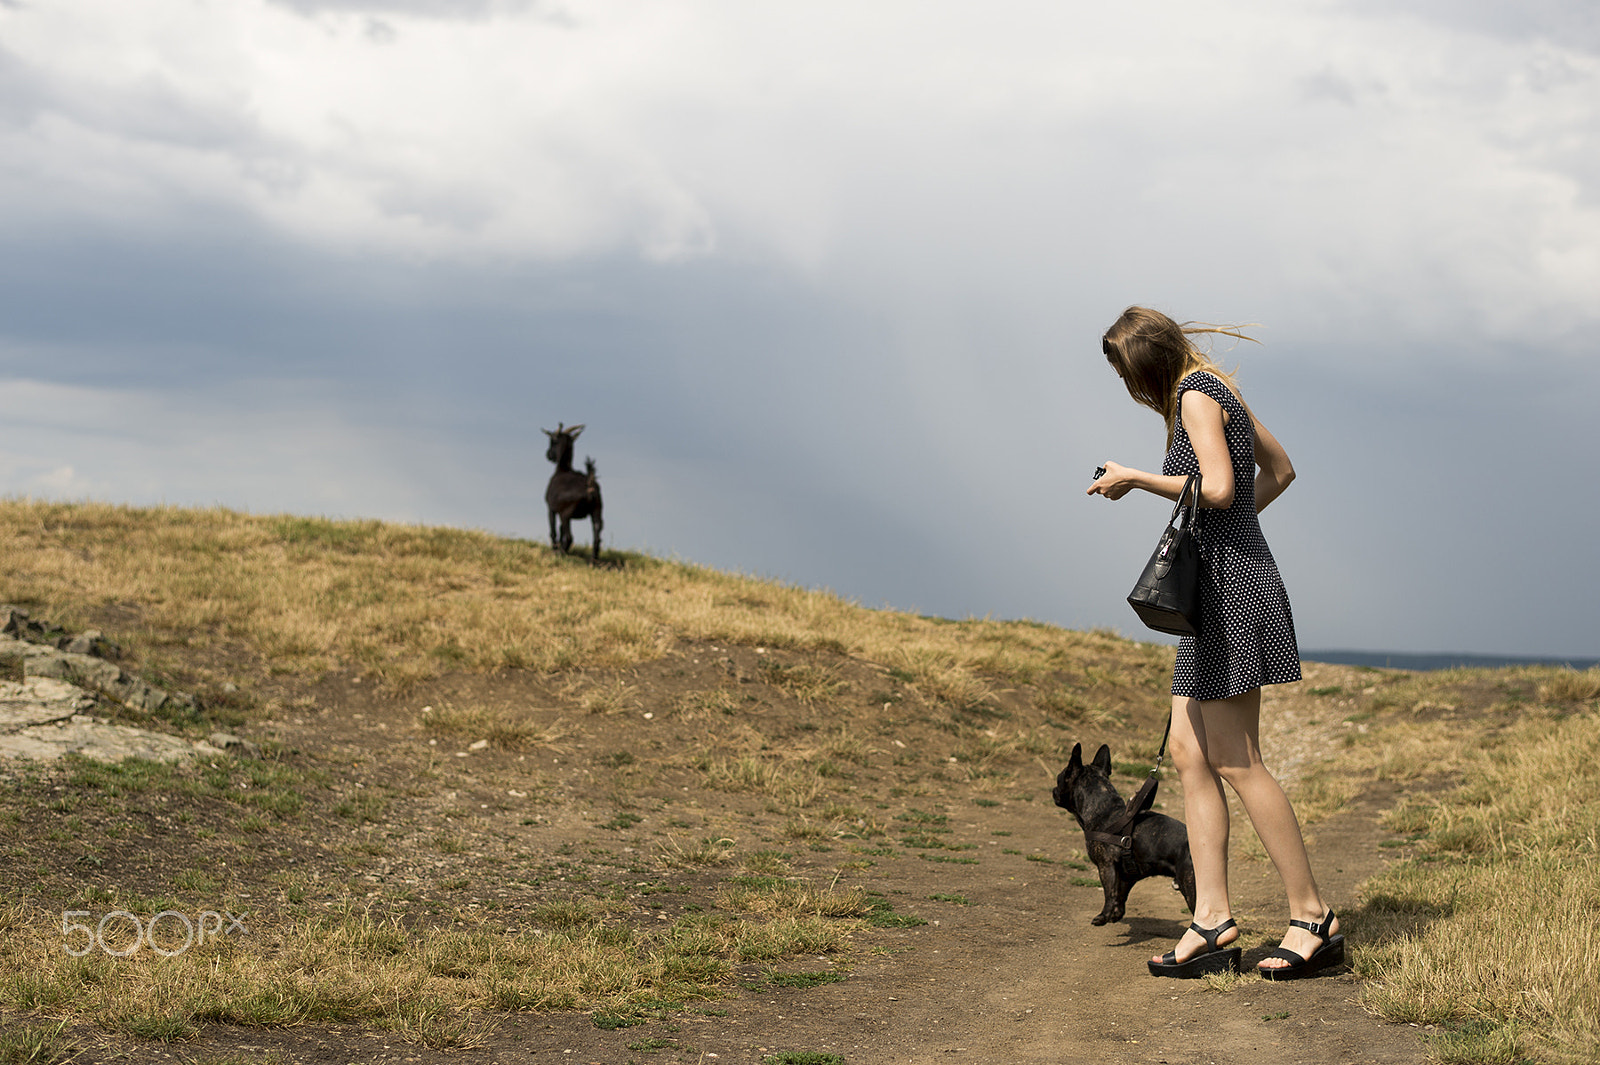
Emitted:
pixel 1246 639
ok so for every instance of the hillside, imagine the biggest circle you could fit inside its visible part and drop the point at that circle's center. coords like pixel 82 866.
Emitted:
pixel 495 805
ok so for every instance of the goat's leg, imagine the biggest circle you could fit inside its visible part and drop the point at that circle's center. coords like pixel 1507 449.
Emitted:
pixel 598 525
pixel 555 544
pixel 566 534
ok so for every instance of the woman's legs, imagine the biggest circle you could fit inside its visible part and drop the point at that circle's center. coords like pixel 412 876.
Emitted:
pixel 1233 727
pixel 1216 741
pixel 1205 811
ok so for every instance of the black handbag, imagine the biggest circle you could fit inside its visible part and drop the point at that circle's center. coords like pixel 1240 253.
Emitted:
pixel 1167 597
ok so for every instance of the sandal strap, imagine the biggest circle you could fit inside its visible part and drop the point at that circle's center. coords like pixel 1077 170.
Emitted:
pixel 1210 934
pixel 1316 928
pixel 1295 961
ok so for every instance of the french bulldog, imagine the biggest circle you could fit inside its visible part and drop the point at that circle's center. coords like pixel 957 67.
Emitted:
pixel 1158 845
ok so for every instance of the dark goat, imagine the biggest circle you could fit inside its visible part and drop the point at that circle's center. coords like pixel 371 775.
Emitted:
pixel 571 495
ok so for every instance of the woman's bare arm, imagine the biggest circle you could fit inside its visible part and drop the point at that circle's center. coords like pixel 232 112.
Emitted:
pixel 1202 417
pixel 1276 471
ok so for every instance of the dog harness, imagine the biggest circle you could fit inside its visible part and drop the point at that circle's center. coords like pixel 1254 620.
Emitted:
pixel 1120 838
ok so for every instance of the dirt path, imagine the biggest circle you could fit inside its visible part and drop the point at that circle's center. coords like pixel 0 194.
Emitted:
pixel 1021 977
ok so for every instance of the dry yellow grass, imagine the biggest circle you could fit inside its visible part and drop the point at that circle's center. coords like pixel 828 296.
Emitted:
pixel 499 727
pixel 1571 686
pixel 773 897
pixel 1493 929
pixel 406 603
pixel 350 966
pixel 794 784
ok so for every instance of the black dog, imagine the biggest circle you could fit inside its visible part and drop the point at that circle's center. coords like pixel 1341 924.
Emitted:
pixel 1158 845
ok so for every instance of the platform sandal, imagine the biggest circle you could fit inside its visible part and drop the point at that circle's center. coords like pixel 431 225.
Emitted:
pixel 1329 952
pixel 1213 959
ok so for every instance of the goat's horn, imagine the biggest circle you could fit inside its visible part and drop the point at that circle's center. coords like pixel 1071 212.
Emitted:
pixel 574 430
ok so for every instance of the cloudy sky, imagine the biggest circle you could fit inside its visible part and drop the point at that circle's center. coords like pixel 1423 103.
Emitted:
pixel 826 281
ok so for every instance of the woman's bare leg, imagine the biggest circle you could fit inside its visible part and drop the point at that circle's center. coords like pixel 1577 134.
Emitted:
pixel 1205 812
pixel 1232 728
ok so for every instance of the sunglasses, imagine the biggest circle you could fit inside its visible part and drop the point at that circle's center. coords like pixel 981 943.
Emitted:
pixel 1105 347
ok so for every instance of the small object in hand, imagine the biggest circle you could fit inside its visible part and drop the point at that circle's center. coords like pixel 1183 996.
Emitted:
pixel 1099 472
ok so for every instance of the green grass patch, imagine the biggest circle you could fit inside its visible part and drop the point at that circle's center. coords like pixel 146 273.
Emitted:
pixel 805 980
pixel 881 915
pixel 36 1044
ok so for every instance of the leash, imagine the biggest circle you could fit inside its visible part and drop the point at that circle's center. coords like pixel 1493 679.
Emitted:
pixel 1119 838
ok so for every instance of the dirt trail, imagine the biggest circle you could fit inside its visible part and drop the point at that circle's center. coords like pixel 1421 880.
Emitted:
pixel 1021 977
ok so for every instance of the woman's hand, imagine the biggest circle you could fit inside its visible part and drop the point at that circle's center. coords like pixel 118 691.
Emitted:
pixel 1117 481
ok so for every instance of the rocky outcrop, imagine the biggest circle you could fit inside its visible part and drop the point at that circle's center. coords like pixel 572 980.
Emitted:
pixel 49 712
pixel 42 718
pixel 84 660
pixel 18 625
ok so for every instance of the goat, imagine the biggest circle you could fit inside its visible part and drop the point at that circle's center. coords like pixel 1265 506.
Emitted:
pixel 570 494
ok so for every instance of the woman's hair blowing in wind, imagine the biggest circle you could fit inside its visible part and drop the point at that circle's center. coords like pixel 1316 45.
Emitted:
pixel 1152 353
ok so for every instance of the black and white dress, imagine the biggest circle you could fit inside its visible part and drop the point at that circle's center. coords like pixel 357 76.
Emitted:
pixel 1246 629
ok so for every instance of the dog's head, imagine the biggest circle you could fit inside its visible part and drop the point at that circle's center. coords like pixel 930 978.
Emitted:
pixel 1072 781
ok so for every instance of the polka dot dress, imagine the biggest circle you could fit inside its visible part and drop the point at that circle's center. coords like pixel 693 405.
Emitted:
pixel 1246 629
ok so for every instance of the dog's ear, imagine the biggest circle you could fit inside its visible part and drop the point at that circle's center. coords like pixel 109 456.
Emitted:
pixel 1076 761
pixel 1102 758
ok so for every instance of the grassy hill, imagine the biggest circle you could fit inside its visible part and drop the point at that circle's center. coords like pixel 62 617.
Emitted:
pixel 491 784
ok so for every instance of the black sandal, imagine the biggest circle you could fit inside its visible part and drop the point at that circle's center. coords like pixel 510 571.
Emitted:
pixel 1213 959
pixel 1329 952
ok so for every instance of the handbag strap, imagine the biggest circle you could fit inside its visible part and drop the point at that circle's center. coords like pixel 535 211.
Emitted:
pixel 1194 481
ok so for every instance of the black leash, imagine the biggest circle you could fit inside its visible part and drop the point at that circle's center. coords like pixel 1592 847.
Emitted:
pixel 1119 838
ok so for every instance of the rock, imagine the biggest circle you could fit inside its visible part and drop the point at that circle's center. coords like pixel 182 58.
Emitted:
pixel 88 671
pixel 43 718
pixel 40 701
pixel 89 642
pixel 19 625
pixel 46 713
pixel 227 742
pixel 100 740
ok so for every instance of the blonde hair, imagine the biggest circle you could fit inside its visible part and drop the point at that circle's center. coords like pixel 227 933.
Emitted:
pixel 1152 353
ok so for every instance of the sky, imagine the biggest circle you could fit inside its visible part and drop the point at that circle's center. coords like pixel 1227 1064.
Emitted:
pixel 825 282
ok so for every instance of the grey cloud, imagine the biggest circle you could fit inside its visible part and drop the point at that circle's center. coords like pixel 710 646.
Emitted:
pixel 743 419
pixel 20 96
pixel 469 10
pixel 462 210
pixel 1572 23
pixel 150 109
pixel 1329 85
